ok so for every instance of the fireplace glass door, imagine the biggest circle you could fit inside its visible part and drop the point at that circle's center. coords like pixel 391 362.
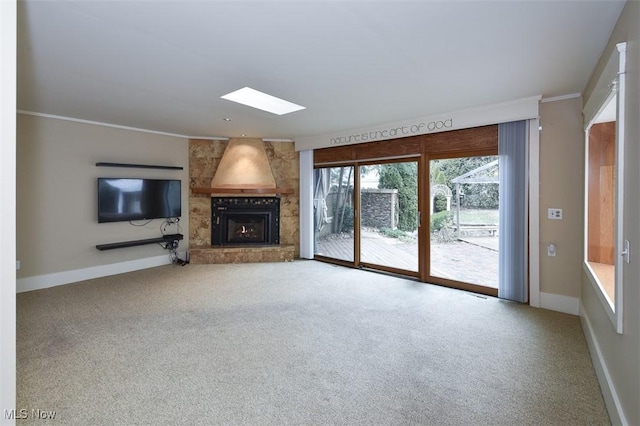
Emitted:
pixel 247 228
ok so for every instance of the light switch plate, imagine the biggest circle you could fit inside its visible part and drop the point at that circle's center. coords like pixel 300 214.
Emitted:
pixel 555 214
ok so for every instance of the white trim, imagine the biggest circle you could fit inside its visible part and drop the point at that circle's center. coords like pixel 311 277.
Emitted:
pixel 534 212
pixel 8 39
pixel 521 109
pixel 561 98
pixel 607 303
pixel 99 123
pixel 560 303
pixel 602 90
pixel 306 205
pixel 275 140
pixel 619 172
pixel 60 278
pixel 611 399
pixel 209 138
pixel 135 129
pixel 117 126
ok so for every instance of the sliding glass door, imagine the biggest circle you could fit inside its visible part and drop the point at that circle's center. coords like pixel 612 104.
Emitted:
pixel 464 222
pixel 378 228
pixel 333 205
pixel 424 207
pixel 369 215
pixel 389 216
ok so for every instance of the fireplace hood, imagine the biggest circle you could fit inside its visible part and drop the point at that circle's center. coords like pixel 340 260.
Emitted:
pixel 244 165
pixel 243 169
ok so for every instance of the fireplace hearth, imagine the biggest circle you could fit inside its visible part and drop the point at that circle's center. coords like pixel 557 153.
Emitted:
pixel 240 221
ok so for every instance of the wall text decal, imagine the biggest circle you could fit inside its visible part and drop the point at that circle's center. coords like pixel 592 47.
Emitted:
pixel 520 109
pixel 407 130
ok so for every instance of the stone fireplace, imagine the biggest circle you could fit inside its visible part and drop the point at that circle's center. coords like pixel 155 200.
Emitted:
pixel 211 200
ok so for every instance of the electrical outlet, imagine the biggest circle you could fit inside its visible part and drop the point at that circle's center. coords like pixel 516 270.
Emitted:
pixel 555 214
pixel 551 250
pixel 17 265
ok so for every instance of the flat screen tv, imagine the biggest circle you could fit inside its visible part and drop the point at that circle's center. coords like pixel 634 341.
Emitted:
pixel 138 199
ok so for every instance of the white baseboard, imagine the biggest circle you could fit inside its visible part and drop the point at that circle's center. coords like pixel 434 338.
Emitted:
pixel 60 278
pixel 560 303
pixel 611 400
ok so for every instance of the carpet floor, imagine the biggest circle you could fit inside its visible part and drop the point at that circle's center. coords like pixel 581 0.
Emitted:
pixel 295 343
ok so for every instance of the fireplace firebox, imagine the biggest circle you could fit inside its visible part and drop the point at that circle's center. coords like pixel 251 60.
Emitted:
pixel 245 221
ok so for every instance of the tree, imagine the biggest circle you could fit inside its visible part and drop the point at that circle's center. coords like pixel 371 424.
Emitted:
pixel 404 178
pixel 342 177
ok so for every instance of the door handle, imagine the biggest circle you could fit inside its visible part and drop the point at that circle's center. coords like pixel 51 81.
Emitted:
pixel 626 251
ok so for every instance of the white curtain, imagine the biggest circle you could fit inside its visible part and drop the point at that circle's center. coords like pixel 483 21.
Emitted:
pixel 513 254
pixel 321 190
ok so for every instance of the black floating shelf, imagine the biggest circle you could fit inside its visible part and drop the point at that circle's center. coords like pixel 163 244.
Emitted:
pixel 164 238
pixel 139 166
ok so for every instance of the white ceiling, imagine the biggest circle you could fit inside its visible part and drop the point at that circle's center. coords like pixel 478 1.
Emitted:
pixel 163 65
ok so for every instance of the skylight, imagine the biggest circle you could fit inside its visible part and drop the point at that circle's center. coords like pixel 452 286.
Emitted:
pixel 256 99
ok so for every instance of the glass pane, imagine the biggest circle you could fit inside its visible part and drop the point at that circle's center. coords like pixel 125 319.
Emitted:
pixel 333 212
pixel 389 215
pixel 464 219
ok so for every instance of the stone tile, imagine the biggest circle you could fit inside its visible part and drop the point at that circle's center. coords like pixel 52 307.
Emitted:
pixel 289 207
pixel 198 257
pixel 200 206
pixel 200 232
pixel 285 150
pixel 292 183
pixel 289 233
pixel 270 257
pixel 202 182
pixel 276 168
pixel 218 148
pixel 201 167
pixel 199 148
pixel 269 148
pixel 289 169
pixel 203 254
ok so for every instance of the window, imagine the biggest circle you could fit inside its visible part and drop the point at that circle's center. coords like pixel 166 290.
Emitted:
pixel 605 247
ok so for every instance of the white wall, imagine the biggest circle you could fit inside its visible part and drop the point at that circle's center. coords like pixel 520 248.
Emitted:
pixel 57 227
pixel 616 357
pixel 8 37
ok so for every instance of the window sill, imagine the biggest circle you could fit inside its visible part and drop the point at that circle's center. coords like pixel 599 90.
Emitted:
pixel 599 288
pixel 605 274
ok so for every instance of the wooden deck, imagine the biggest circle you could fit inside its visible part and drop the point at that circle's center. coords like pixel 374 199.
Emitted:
pixel 470 262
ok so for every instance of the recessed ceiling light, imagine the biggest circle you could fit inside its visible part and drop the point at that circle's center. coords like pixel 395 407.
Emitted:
pixel 256 99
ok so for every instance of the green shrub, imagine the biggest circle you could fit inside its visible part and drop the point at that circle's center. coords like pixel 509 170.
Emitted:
pixel 441 220
pixel 440 203
pixel 347 223
pixel 393 233
pixel 404 178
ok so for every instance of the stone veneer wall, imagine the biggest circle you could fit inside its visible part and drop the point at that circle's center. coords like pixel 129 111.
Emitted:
pixel 379 208
pixel 204 157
